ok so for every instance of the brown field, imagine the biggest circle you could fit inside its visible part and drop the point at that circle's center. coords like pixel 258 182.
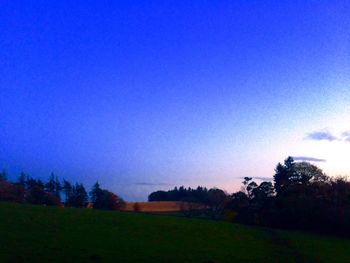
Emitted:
pixel 164 206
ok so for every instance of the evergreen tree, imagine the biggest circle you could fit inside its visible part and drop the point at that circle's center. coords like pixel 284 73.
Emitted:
pixel 50 186
pixel 58 188
pixel 95 195
pixel 68 190
pixel 79 196
pixel 103 199
pixel 22 180
pixel 3 176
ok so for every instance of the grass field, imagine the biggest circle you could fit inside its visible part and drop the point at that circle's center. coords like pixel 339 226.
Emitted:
pixel 47 234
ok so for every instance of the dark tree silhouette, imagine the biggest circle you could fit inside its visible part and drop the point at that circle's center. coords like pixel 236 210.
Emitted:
pixel 3 176
pixel 53 186
pixel 283 174
pixel 301 197
pixel 198 195
pixel 95 194
pixel 22 180
pixel 11 192
pixel 68 191
pixel 58 188
pixel 79 196
pixel 103 199
pixel 50 185
pixel 35 191
pixel 248 187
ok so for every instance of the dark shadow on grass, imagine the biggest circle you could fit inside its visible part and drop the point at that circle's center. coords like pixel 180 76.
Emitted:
pixel 284 247
pixel 95 257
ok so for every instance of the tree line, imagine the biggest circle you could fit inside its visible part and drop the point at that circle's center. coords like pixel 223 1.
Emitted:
pixel 56 193
pixel 301 196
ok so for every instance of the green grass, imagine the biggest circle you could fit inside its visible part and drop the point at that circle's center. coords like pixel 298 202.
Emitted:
pixel 47 234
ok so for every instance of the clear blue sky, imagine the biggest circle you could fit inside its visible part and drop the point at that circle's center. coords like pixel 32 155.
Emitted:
pixel 145 95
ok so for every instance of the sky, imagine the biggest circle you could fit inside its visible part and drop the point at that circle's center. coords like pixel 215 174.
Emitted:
pixel 147 95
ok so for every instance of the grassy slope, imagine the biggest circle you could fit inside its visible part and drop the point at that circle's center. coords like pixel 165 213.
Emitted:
pixel 47 234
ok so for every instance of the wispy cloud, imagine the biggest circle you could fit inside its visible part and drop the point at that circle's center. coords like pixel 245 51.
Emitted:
pixel 324 135
pixel 346 136
pixel 263 178
pixel 308 159
pixel 321 135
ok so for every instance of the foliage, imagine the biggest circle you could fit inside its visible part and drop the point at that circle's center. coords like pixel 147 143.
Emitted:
pixel 53 186
pixel 291 174
pixel 3 176
pixel 11 192
pixel 301 197
pixel 217 201
pixel 78 196
pixel 213 201
pixel 198 195
pixel 68 190
pixel 35 191
pixel 103 199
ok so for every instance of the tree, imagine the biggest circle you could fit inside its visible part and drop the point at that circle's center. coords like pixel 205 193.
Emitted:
pixel 158 196
pixel 50 185
pixel 53 186
pixel 11 192
pixel 79 196
pixel 217 201
pixel 35 191
pixel 68 190
pixel 51 199
pixel 103 199
pixel 239 200
pixel 58 188
pixel 249 186
pixel 3 176
pixel 107 200
pixel 36 194
pixel 198 195
pixel 306 173
pixel 292 174
pixel 263 191
pixel 283 174
pixel 22 180
pixel 113 202
pixel 95 194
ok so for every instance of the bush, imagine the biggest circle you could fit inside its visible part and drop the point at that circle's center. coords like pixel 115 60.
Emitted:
pixel 230 216
pixel 53 200
pixel 11 192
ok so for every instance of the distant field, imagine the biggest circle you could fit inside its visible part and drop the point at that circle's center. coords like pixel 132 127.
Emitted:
pixel 47 234
pixel 153 206
pixel 164 206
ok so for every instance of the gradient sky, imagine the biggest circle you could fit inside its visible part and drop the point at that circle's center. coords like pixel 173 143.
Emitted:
pixel 146 95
